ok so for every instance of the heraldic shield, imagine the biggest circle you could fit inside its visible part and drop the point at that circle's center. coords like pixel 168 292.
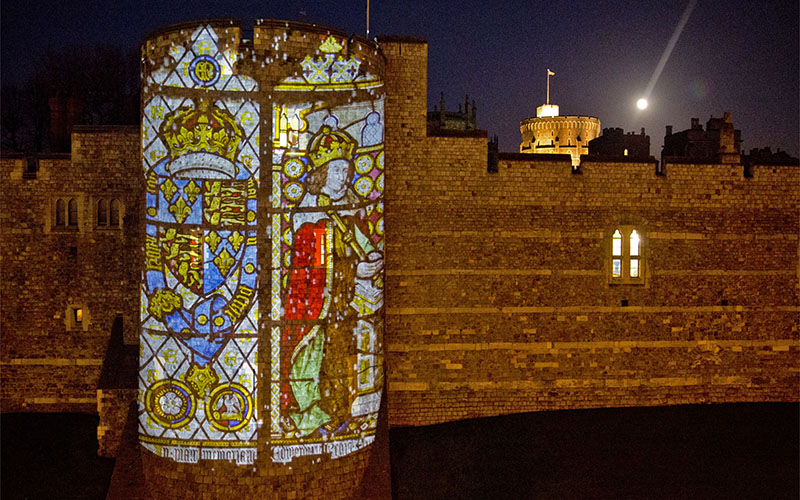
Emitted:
pixel 199 291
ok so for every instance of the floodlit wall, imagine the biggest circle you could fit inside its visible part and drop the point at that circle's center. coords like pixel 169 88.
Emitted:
pixel 261 366
pixel 501 290
pixel 505 292
pixel 64 273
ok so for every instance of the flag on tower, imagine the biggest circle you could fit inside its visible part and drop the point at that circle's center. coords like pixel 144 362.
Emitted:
pixel 550 73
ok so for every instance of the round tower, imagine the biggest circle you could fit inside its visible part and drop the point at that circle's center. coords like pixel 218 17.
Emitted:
pixel 261 365
pixel 550 133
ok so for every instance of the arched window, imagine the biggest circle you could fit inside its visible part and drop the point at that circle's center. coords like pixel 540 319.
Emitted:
pixel 72 219
pixel 627 256
pixel 61 210
pixel 102 212
pixel 634 254
pixel 113 219
pixel 616 253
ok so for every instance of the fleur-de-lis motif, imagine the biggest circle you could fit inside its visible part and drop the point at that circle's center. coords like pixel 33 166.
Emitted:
pixel 180 210
pixel 236 240
pixel 169 189
pixel 192 190
pixel 224 261
pixel 213 240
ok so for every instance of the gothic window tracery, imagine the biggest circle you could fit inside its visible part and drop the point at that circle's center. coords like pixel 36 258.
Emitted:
pixel 627 256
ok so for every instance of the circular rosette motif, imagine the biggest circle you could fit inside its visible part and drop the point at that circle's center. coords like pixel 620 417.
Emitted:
pixel 229 407
pixel 364 186
pixel 380 161
pixel 364 164
pixel 294 168
pixel 379 183
pixel 170 403
pixel 204 70
pixel 293 191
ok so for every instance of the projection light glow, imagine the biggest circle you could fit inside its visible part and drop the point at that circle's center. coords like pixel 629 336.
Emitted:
pixel 203 145
pixel 327 261
pixel 199 304
pixel 642 103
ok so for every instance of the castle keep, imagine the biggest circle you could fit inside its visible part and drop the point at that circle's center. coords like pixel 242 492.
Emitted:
pixel 267 342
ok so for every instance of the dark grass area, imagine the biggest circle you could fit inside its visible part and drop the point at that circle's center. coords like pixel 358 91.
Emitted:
pixel 710 451
pixel 51 456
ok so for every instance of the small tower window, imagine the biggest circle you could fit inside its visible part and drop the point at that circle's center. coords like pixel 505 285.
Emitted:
pixel 72 219
pixel 616 252
pixel 77 317
pixel 113 218
pixel 627 256
pixel 108 213
pixel 102 213
pixel 61 209
pixel 634 268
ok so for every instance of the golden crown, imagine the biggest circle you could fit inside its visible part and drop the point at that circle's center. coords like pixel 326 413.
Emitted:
pixel 205 128
pixel 329 145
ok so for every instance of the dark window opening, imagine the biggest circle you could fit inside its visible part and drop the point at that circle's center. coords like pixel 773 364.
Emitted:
pixel 72 219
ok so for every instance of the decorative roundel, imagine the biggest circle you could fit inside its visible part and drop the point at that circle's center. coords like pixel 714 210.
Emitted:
pixel 294 168
pixel 379 226
pixel 364 164
pixel 204 70
pixel 229 407
pixel 364 186
pixel 170 403
pixel 379 183
pixel 380 160
pixel 287 259
pixel 287 236
pixel 293 191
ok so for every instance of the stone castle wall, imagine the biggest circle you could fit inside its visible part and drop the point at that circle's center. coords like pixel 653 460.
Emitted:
pixel 498 288
pixel 497 284
pixel 47 363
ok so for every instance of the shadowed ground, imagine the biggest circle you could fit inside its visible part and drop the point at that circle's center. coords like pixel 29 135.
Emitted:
pixel 710 451
pixel 51 456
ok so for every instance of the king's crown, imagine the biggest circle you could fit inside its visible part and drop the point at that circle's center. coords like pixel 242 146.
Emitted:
pixel 205 128
pixel 329 145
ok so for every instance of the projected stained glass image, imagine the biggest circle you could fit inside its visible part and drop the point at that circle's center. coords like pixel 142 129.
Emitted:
pixel 199 308
pixel 327 263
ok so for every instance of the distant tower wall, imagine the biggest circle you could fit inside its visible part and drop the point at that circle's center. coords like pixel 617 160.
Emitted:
pixel 559 135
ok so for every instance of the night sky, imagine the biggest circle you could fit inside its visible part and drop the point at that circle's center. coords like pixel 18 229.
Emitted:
pixel 733 55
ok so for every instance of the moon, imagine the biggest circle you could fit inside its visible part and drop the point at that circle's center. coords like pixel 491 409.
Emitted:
pixel 641 103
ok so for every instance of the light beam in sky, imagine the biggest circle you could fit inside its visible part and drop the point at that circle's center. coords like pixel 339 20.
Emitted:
pixel 668 50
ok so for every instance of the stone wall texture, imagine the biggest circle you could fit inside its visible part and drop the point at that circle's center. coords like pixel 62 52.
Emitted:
pixel 498 290
pixel 48 364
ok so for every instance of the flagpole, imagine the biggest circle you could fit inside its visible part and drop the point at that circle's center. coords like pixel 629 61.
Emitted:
pixel 367 19
pixel 548 84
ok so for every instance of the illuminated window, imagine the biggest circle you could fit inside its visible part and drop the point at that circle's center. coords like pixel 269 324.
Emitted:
pixel 77 318
pixel 625 153
pixel 616 253
pixel 61 210
pixel 627 256
pixel 72 216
